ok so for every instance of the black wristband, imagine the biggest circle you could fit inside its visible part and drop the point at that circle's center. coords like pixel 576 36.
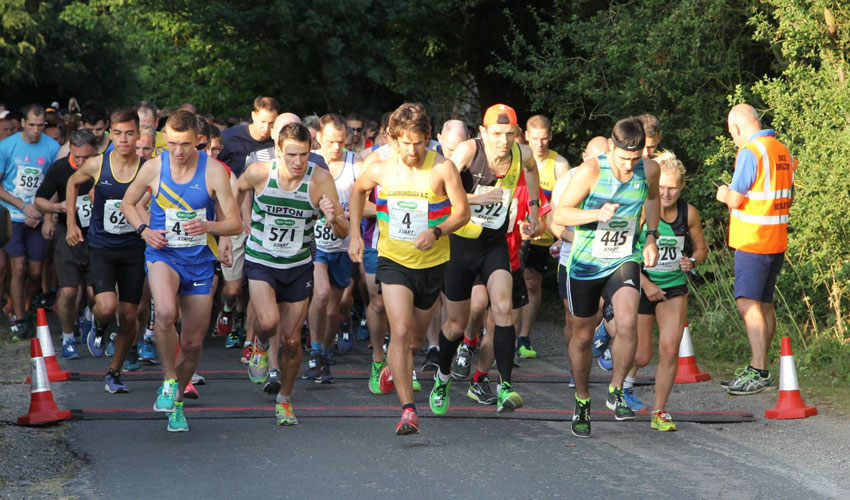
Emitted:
pixel 437 232
pixel 141 229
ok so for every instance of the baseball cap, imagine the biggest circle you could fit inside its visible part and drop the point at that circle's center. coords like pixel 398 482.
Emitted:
pixel 500 114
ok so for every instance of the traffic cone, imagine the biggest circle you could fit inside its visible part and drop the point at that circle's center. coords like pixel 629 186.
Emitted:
pixel 43 409
pixel 54 372
pixel 790 404
pixel 688 372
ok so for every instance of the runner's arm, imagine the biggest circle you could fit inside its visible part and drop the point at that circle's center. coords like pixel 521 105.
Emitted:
pixel 148 177
pixel 697 236
pixel 567 212
pixel 231 225
pixel 532 180
pixel 87 172
pixel 652 212
pixel 329 203
pixel 450 178
pixel 46 195
pixel 562 166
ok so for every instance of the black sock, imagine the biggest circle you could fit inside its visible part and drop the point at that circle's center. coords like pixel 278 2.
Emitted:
pixel 410 406
pixel 447 350
pixel 504 338
pixel 99 329
pixel 520 341
pixel 762 373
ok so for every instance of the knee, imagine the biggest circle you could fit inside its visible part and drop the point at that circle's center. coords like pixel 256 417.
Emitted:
pixel 642 358
pixel 291 346
pixel 19 268
pixel 68 294
pixel 377 307
pixel 191 347
pixel 668 351
pixel 166 314
pixel 626 327
pixel 34 272
pixel 501 311
pixel 321 295
pixel 267 324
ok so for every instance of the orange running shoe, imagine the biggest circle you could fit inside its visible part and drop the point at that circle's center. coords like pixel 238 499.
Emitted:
pixel 385 382
pixel 190 391
pixel 409 423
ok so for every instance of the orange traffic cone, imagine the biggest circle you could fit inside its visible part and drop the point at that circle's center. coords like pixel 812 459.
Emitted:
pixel 54 372
pixel 43 409
pixel 790 404
pixel 688 372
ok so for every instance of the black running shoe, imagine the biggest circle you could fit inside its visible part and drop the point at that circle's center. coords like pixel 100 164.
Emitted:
pixel 462 364
pixel 617 402
pixel 324 376
pixel 580 426
pixel 432 358
pixel 314 366
pixel 480 391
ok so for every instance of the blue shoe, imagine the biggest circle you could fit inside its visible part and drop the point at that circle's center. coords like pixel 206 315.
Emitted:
pixel 131 363
pixel 147 351
pixel 605 361
pixel 177 419
pixel 84 326
pixel 572 383
pixel 110 346
pixel 96 344
pixel 345 340
pixel 601 339
pixel 232 340
pixel 114 385
pixel 634 403
pixel 363 331
pixel 165 396
pixel 69 350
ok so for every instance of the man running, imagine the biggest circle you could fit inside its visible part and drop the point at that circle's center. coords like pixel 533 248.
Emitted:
pixel 490 169
pixel 185 186
pixel 240 141
pixel 289 193
pixel 420 198
pixel 604 201
pixel 95 118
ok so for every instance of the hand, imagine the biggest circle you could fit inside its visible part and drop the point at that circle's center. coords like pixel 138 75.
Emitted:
pixel 48 228
pixel 650 254
pixel 533 226
pixel 555 249
pixel 327 208
pixel 195 227
pixel 722 191
pixel 490 197
pixel 425 240
pixel 155 238
pixel 652 291
pixel 225 251
pixel 60 208
pixel 607 212
pixel 31 212
pixel 74 235
pixel 355 249
pixel 686 264
pixel 525 229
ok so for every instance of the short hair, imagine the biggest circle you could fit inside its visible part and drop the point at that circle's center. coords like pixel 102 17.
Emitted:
pixel 385 120
pixel 215 133
pixel 354 115
pixel 94 112
pixel 311 121
pixel 410 117
pixel 122 115
pixel 332 119
pixel 294 132
pixel 628 134
pixel 148 106
pixel 203 126
pixel 83 136
pixel 538 122
pixel 668 162
pixel 147 130
pixel 183 121
pixel 35 109
pixel 267 103
pixel 651 125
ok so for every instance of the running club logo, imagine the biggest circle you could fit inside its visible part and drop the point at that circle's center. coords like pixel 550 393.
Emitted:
pixel 284 222
pixel 183 215
pixel 618 224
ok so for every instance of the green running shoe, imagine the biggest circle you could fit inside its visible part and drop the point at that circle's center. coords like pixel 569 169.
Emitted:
pixel 177 419
pixel 580 426
pixel 662 421
pixel 375 377
pixel 507 398
pixel 617 402
pixel 439 398
pixel 283 412
pixel 258 364
pixel 417 387
pixel 526 352
pixel 165 396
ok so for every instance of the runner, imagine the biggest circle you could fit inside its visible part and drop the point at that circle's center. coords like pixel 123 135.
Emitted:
pixel 145 144
pixel 24 157
pixel 116 254
pixel 490 169
pixel 289 193
pixel 72 263
pixel 185 185
pixel 417 189
pixel 95 118
pixel 356 122
pixel 604 200
pixel 148 118
pixel 240 141
pixel 332 265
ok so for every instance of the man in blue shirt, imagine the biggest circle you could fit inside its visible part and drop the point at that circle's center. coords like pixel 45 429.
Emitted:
pixel 24 157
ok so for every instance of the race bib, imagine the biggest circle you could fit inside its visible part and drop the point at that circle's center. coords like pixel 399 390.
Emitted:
pixel 27 182
pixel 176 235
pixel 114 221
pixel 613 239
pixel 408 217
pixel 670 250
pixel 491 216
pixel 83 210
pixel 282 236
pixel 326 240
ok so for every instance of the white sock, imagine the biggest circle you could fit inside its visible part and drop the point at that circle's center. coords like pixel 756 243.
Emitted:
pixel 443 378
pixel 149 334
pixel 88 314
pixel 247 343
pixel 283 399
pixel 67 336
pixel 227 308
pixel 629 383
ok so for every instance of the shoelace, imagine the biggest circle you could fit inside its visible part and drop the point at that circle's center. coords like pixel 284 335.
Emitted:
pixel 663 416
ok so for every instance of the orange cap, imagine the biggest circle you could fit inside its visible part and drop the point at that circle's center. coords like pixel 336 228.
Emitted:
pixel 500 114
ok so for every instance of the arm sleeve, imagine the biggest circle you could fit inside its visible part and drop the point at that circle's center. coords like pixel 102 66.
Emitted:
pixel 745 172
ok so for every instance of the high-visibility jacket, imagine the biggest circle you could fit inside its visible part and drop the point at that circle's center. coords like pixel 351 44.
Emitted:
pixel 760 224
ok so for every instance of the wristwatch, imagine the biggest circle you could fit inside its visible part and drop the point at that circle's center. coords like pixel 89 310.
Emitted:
pixel 141 229
pixel 652 232
pixel 533 203
pixel 437 232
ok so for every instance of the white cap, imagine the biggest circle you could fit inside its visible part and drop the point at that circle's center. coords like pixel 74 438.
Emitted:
pixel 4 113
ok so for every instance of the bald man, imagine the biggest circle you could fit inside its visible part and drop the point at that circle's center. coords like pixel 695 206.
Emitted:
pixel 759 198
pixel 453 133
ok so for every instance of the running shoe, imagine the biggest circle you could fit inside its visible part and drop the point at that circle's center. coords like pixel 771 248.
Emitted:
pixel 114 385
pixel 632 400
pixel 572 383
pixel 224 324
pixel 177 419
pixel 385 380
pixel 749 382
pixel 417 387
pixel 526 352
pixel 84 325
pixel 232 341
pixel 165 396
pixel 345 340
pixel 283 413
pixel 16 331
pixel 462 364
pixel 363 331
pixel 147 353
pixel 198 379
pixel 190 391
pixel 617 403
pixel 601 339
pixel 662 421
pixel 580 426
pixel 439 398
pixel 480 391
pixel 324 376
pixel 375 377
pixel 97 343
pixel 246 354
pixel 273 385
pixel 740 371
pixel 432 358
pixel 508 399
pixel 69 350
pixel 110 347
pixel 314 366
pixel 258 365
pixel 386 342
pixel 605 361
pixel 409 423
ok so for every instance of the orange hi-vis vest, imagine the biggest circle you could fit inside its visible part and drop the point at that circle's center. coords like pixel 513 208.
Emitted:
pixel 760 224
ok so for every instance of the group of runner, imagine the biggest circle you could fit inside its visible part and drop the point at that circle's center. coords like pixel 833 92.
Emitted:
pixel 445 241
